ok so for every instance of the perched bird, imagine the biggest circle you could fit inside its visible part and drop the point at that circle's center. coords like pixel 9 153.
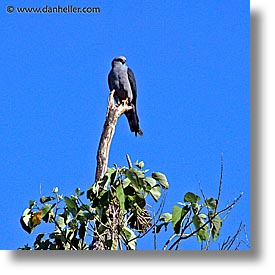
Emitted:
pixel 122 80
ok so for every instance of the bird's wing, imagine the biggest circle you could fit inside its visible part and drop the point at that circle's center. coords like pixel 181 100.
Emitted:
pixel 110 81
pixel 133 85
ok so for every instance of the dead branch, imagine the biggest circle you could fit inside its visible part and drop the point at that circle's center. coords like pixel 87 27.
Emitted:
pixel 113 113
pixel 129 161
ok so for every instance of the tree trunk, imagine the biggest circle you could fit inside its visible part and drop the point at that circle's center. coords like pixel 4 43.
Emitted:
pixel 112 115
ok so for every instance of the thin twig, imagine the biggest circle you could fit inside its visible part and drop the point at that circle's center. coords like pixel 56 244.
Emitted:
pixel 230 241
pixel 207 222
pixel 220 185
pixel 129 161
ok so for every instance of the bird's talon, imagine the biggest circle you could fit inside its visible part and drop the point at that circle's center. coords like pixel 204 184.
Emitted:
pixel 125 101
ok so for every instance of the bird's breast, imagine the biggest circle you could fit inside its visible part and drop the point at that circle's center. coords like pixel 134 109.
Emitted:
pixel 121 83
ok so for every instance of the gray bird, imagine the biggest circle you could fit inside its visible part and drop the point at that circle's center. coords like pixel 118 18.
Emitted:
pixel 122 80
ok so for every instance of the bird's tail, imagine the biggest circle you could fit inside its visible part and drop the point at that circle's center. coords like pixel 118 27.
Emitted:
pixel 133 121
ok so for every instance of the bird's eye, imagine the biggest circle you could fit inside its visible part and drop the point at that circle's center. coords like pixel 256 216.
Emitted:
pixel 120 60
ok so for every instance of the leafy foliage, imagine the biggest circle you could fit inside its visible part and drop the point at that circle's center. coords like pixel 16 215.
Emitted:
pixel 190 218
pixel 117 203
pixel 115 211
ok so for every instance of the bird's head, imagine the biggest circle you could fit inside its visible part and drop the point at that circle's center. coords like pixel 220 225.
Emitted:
pixel 119 60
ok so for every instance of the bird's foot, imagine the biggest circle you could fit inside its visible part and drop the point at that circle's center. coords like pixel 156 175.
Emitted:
pixel 125 101
pixel 118 103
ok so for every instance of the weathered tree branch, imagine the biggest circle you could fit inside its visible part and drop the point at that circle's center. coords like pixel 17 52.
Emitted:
pixel 112 115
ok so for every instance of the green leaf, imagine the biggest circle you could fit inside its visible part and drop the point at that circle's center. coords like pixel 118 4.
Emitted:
pixel 57 235
pixel 130 237
pixel 202 216
pixel 217 224
pixel 131 175
pixel 139 175
pixel 73 225
pixel 126 182
pixel 178 215
pixel 211 203
pixel 61 224
pixel 55 190
pixel 191 197
pixel 140 164
pixel 25 220
pixel 44 199
pixel 45 210
pixel 195 208
pixel 121 196
pixel 82 231
pixel 78 192
pixel 139 200
pixel 109 178
pixel 137 179
pixel 92 192
pixel 197 221
pixel 156 192
pixel 32 203
pixel 158 227
pixel 111 172
pixel 66 216
pixel 166 217
pixel 161 178
pixel 105 198
pixel 71 205
pixel 150 181
pixel 88 215
pixel 202 234
pixel 129 190
pixel 41 244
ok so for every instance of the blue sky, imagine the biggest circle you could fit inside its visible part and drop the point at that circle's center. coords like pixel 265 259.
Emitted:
pixel 191 62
